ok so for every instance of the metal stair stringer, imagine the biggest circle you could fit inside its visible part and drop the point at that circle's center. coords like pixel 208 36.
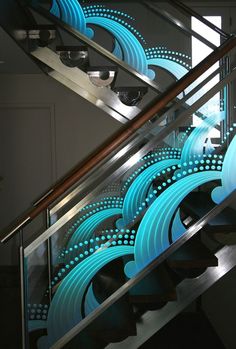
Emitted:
pixel 79 82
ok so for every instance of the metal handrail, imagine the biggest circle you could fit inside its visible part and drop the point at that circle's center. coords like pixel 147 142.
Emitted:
pixel 180 6
pixel 178 24
pixel 122 136
pixel 110 175
pixel 190 232
pixel 142 133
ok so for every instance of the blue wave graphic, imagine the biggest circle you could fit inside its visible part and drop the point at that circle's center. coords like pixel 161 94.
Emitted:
pixel 133 51
pixel 72 14
pixel 65 309
pixel 86 229
pixel 138 190
pixel 173 67
pixel 152 235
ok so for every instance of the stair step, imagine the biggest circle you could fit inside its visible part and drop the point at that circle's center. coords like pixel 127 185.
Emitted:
pixel 193 254
pixel 108 68
pixel 66 48
pixel 198 204
pixel 156 287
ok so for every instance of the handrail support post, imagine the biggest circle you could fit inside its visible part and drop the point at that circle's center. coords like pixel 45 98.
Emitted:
pixel 23 292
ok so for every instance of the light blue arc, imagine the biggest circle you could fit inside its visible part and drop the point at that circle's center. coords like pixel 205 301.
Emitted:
pixel 137 192
pixel 153 233
pixel 65 309
pixel 72 14
pixel 86 229
pixel 134 54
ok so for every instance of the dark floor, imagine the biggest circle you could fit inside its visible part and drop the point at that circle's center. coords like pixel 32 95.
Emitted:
pixel 10 319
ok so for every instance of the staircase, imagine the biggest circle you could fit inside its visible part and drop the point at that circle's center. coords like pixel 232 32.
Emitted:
pixel 130 236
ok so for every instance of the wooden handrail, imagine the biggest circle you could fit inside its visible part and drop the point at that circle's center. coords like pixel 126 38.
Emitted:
pixel 122 135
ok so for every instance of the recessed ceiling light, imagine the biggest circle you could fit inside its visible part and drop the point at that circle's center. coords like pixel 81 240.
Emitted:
pixel 2 62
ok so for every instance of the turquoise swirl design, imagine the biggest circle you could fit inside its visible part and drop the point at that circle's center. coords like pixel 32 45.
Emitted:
pixel 65 309
pixel 152 235
pixel 86 229
pixel 134 54
pixel 71 13
pixel 128 40
pixel 137 192
pixel 173 67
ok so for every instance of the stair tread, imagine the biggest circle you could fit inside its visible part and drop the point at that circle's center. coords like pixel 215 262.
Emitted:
pixel 200 203
pixel 193 254
pixel 71 48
